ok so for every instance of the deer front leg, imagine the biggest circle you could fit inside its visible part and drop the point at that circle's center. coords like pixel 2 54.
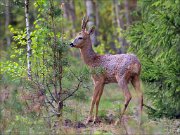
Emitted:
pixel 96 120
pixel 97 90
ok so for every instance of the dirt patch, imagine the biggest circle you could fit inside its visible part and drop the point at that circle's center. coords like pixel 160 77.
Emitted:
pixel 69 123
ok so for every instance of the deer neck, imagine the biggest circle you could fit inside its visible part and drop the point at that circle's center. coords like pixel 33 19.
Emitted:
pixel 88 53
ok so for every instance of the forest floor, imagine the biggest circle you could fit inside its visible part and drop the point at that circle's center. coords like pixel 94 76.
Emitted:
pixel 77 111
pixel 14 121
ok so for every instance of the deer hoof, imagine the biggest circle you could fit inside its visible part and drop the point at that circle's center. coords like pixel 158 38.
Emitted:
pixel 89 119
pixel 96 120
pixel 117 122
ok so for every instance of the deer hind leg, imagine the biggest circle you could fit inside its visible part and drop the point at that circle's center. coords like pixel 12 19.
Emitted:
pixel 136 83
pixel 127 95
pixel 97 89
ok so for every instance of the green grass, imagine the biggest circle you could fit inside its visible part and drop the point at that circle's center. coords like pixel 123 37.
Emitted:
pixel 14 120
pixel 111 102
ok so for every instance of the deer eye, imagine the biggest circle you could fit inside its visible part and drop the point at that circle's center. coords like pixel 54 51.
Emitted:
pixel 80 38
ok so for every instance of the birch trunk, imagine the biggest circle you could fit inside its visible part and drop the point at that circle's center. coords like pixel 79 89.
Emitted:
pixel 28 39
pixel 7 20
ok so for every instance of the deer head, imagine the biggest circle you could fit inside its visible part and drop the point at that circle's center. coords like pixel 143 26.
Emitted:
pixel 82 36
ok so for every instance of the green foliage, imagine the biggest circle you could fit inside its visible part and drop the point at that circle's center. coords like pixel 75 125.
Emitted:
pixel 97 71
pixel 155 39
pixel 50 62
pixel 12 115
pixel 41 37
pixel 14 68
pixel 26 125
pixel 107 36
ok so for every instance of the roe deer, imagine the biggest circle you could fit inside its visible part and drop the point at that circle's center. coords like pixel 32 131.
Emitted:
pixel 119 68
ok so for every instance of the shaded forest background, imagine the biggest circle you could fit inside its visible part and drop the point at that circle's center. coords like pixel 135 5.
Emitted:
pixel 47 73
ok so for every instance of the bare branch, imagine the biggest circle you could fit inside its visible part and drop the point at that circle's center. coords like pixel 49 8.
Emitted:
pixel 50 92
pixel 49 102
pixel 71 94
pixel 55 113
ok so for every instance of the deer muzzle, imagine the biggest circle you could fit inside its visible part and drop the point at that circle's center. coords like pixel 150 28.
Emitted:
pixel 72 45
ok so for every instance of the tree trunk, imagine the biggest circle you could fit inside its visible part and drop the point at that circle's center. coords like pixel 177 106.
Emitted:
pixel 57 64
pixel 97 14
pixel 66 9
pixel 120 24
pixel 91 15
pixel 7 20
pixel 97 20
pixel 132 4
pixel 73 13
pixel 119 15
pixel 28 39
pixel 70 14
pixel 128 18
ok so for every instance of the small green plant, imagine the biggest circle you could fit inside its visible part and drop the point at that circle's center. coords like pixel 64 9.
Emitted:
pixel 26 125
pixel 97 71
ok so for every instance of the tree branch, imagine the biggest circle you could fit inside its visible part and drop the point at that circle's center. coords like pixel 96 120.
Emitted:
pixel 71 94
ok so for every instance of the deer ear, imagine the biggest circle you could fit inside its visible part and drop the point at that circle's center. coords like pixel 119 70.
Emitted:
pixel 91 31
